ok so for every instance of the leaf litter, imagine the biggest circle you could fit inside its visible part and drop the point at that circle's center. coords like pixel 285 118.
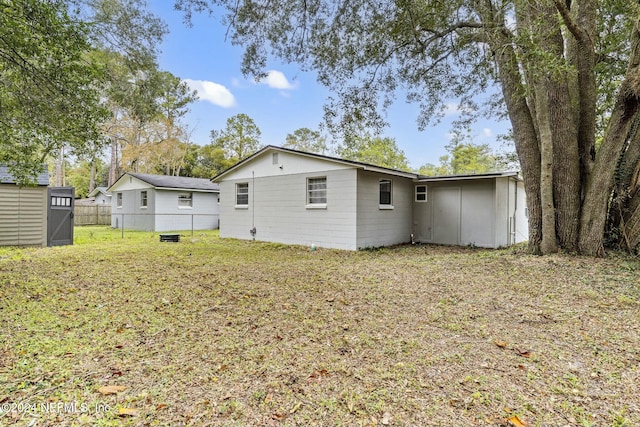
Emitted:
pixel 226 332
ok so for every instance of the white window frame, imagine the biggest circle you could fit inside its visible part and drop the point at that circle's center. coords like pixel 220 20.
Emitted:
pixel 381 205
pixel 182 197
pixel 119 200
pixel 315 193
pixel 243 185
pixel 144 199
pixel 420 193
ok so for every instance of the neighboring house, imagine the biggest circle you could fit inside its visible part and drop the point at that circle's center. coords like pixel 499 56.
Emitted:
pixel 164 203
pixel 289 196
pixel 100 196
pixel 23 211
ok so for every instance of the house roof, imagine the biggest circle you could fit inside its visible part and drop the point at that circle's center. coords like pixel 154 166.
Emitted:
pixel 173 182
pixel 352 163
pixel 99 190
pixel 7 177
pixel 423 178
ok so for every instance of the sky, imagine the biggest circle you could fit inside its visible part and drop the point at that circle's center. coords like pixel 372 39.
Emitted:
pixel 287 100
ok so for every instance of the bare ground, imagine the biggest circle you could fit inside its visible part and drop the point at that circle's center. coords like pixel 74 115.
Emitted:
pixel 224 332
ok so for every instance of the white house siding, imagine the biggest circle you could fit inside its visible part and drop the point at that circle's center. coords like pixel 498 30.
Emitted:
pixel 522 221
pixel 203 215
pixel 134 216
pixel 377 226
pixel 457 213
pixel 23 217
pixel 277 205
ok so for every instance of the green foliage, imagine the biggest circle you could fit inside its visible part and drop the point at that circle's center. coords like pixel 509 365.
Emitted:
pixel 78 176
pixel 239 139
pixel 208 161
pixel 49 93
pixel 376 151
pixel 305 139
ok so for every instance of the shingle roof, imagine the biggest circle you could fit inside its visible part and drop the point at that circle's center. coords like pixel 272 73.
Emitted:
pixel 164 181
pixel 6 177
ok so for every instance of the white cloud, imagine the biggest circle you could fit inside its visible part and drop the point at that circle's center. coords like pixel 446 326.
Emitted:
pixel 277 80
pixel 451 109
pixel 212 92
pixel 487 132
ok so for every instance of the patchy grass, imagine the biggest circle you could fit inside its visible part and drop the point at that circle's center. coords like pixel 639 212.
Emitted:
pixel 225 332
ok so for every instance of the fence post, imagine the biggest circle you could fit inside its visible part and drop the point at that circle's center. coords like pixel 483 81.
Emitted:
pixel 191 225
pixel 122 227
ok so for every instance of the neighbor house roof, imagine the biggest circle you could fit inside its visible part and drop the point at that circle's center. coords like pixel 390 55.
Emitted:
pixel 359 165
pixel 173 182
pixel 7 177
pixel 99 190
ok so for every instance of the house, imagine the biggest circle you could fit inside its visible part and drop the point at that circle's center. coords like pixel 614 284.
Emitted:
pixel 23 211
pixel 163 203
pixel 289 196
pixel 100 196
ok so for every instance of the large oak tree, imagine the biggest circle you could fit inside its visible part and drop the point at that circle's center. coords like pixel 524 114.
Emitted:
pixel 567 72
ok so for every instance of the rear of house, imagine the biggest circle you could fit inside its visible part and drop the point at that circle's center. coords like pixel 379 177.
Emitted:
pixel 289 196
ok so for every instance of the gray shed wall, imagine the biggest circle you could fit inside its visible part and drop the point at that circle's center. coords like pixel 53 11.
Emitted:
pixel 203 215
pixel 23 215
pixel 134 216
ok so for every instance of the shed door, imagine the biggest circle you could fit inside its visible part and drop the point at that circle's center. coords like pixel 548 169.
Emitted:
pixel 60 216
pixel 446 215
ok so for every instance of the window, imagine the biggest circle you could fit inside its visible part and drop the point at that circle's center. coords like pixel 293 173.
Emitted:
pixel 119 200
pixel 60 201
pixel 185 200
pixel 242 194
pixel 143 199
pixel 421 193
pixel 274 158
pixel 317 191
pixel 385 192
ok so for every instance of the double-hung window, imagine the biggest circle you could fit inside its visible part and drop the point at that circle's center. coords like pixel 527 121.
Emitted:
pixel 143 199
pixel 242 194
pixel 118 200
pixel 385 201
pixel 317 192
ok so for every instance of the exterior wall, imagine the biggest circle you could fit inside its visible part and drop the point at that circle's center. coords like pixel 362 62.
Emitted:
pixel 379 226
pixel 522 220
pixel 456 213
pixel 277 206
pixel 134 216
pixel 504 207
pixel 102 199
pixel 23 215
pixel 203 215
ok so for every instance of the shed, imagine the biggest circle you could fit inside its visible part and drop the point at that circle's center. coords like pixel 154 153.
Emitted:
pixel 100 196
pixel 289 196
pixel 164 203
pixel 23 211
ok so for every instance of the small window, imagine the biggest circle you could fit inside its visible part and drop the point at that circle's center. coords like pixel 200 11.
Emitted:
pixel 274 158
pixel 317 191
pixel 242 194
pixel 421 193
pixel 119 200
pixel 185 200
pixel 60 201
pixel 385 192
pixel 143 199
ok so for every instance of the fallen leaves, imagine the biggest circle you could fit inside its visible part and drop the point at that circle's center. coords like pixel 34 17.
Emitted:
pixel 111 389
pixel 127 412
pixel 515 421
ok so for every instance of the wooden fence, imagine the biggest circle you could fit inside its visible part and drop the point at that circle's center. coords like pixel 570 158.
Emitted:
pixel 92 215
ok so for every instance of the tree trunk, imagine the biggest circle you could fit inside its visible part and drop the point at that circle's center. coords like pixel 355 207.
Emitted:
pixel 113 163
pixel 600 184
pixel 60 168
pixel 524 131
pixel 92 175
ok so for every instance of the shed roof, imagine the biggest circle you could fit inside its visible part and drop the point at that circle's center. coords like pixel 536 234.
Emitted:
pixel 6 177
pixel 173 182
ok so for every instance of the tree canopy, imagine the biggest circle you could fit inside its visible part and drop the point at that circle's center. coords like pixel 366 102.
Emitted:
pixel 562 68
pixel 239 139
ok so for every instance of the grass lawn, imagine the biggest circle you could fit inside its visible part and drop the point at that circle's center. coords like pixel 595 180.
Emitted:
pixel 132 331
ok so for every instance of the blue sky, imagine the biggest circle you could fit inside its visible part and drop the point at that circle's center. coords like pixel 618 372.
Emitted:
pixel 289 99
